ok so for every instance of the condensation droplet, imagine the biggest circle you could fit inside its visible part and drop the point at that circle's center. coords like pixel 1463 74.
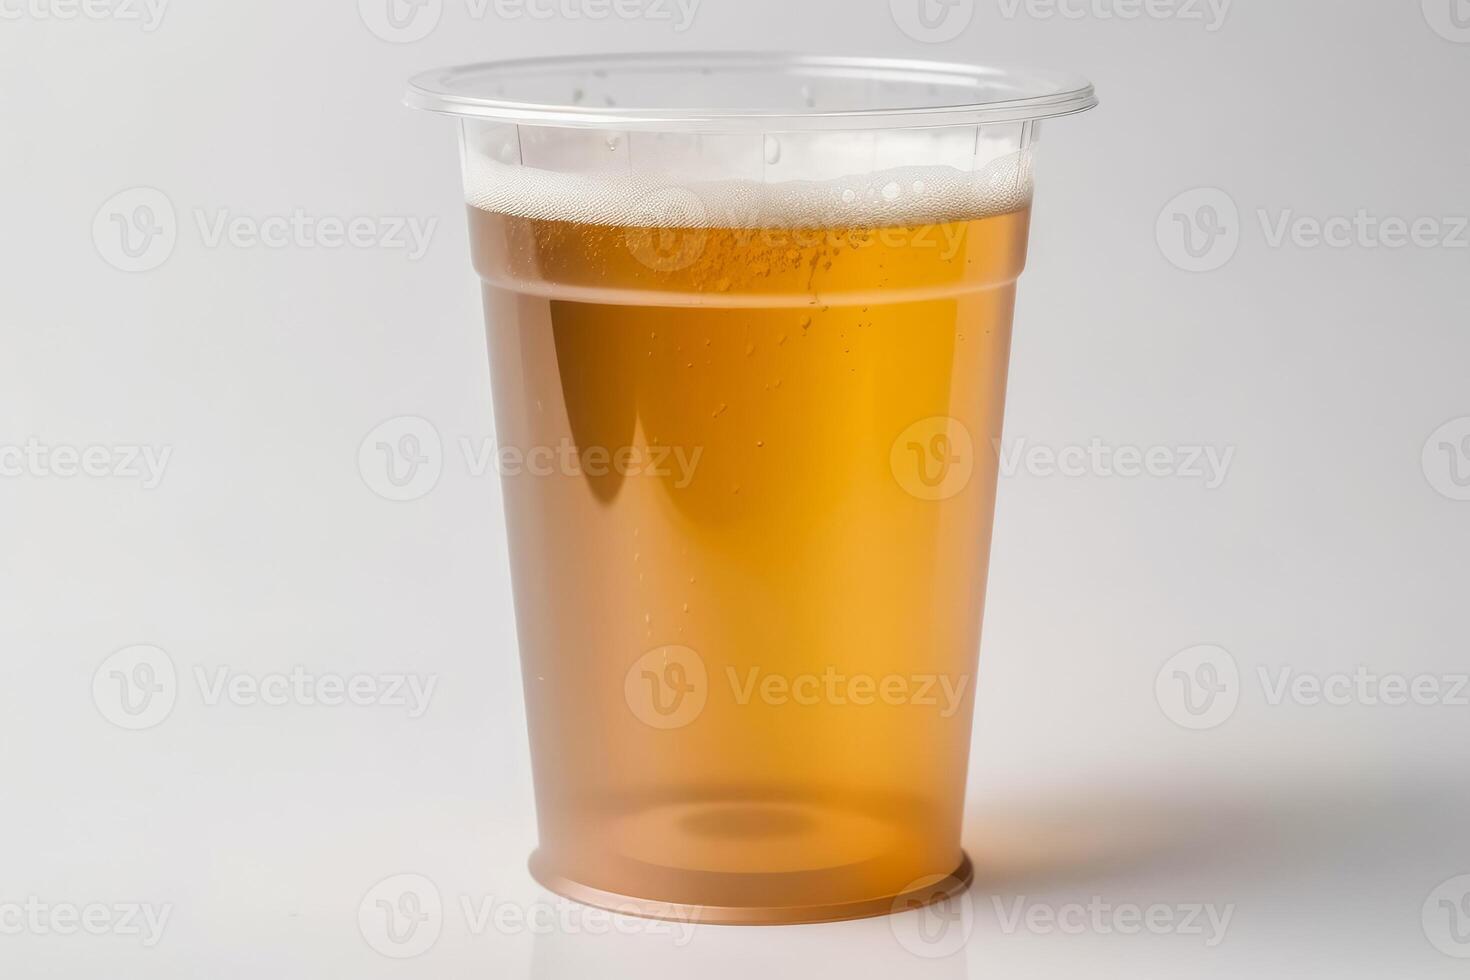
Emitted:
pixel 773 150
pixel 891 191
pixel 848 196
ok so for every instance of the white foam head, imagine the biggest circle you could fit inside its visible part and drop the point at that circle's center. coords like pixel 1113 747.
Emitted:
pixel 901 196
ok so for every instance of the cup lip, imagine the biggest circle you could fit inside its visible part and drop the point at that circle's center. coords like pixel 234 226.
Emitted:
pixel 453 90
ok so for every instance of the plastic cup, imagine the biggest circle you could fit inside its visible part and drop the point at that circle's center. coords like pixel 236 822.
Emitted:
pixel 748 319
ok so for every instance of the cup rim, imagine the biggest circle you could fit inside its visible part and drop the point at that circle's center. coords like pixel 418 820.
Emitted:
pixel 959 94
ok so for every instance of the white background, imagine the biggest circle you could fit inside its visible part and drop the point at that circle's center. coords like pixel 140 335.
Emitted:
pixel 1334 542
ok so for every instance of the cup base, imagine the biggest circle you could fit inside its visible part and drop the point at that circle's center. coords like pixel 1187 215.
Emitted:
pixel 932 890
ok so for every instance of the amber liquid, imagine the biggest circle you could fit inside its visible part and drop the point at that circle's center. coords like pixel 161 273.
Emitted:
pixel 705 646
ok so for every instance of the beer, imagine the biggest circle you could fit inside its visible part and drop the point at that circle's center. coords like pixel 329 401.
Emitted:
pixel 750 566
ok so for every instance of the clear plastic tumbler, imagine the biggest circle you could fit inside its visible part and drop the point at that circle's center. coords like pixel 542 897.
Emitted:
pixel 748 321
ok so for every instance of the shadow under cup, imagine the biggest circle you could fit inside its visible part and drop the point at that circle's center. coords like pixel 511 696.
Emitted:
pixel 748 319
